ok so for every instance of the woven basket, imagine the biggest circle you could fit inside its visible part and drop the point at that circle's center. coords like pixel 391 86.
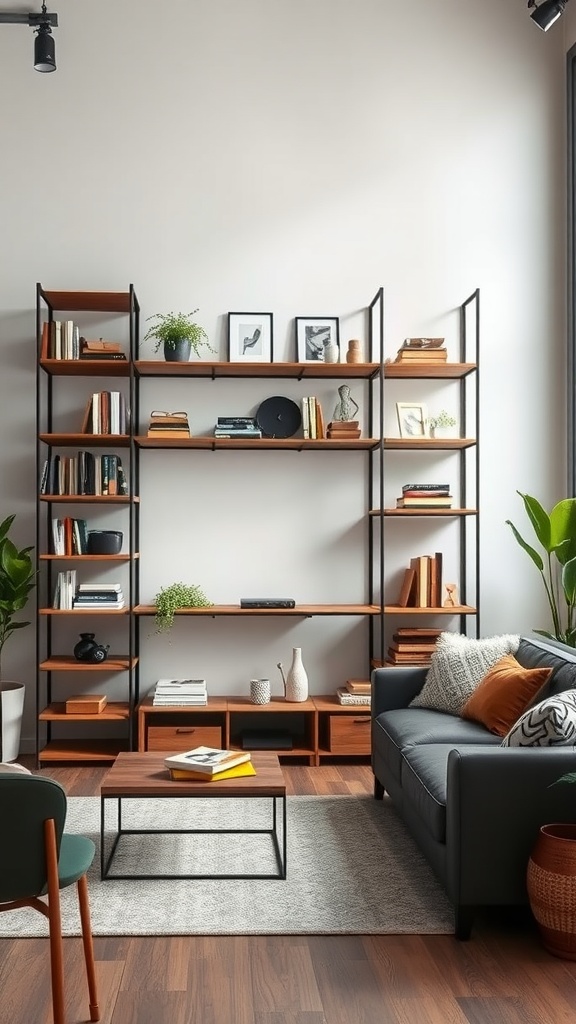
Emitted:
pixel 551 884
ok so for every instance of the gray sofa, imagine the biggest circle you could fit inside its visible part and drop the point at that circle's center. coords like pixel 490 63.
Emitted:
pixel 473 806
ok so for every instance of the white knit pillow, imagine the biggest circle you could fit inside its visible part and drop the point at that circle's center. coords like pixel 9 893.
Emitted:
pixel 458 664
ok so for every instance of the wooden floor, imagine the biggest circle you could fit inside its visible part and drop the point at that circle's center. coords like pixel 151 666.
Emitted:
pixel 501 976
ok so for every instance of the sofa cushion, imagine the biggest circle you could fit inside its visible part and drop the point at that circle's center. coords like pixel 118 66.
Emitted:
pixel 534 653
pixel 403 727
pixel 457 666
pixel 550 723
pixel 505 692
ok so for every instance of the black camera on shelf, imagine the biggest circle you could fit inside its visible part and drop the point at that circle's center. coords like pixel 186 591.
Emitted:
pixel 87 649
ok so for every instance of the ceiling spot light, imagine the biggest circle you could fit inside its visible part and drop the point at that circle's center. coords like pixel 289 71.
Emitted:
pixel 547 12
pixel 44 49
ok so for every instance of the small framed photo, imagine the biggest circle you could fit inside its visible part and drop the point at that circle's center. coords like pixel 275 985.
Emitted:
pixel 313 335
pixel 412 419
pixel 250 337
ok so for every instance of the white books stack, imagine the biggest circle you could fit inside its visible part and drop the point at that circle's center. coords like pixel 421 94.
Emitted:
pixel 99 595
pixel 180 693
pixel 352 699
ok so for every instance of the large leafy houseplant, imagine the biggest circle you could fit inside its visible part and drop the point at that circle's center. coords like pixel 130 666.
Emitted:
pixel 17 579
pixel 170 328
pixel 556 533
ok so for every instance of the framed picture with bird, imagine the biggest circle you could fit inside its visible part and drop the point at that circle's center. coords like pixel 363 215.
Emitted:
pixel 250 337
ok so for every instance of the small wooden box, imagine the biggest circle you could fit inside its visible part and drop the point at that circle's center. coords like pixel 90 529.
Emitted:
pixel 86 704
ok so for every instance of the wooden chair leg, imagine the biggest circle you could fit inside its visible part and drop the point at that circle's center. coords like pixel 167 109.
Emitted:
pixel 54 922
pixel 88 947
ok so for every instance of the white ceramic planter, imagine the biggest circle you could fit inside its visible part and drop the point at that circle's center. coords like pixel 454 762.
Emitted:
pixel 12 697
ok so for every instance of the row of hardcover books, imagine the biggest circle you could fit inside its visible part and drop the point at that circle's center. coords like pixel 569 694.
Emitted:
pixel 422 582
pixel 412 645
pixel 69 536
pixel 84 473
pixel 69 594
pixel 106 413
pixel 61 340
pixel 425 496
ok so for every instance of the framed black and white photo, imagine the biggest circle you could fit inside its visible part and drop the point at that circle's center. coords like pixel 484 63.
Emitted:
pixel 250 337
pixel 314 334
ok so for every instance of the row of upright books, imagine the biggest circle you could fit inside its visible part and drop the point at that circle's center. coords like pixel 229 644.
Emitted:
pixel 106 413
pixel 412 645
pixel 69 594
pixel 84 473
pixel 422 582
pixel 69 536
pixel 425 496
pixel 61 339
pixel 180 693
pixel 422 350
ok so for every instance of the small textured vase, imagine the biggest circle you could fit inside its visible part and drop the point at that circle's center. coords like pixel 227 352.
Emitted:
pixel 354 353
pixel 331 353
pixel 551 884
pixel 297 679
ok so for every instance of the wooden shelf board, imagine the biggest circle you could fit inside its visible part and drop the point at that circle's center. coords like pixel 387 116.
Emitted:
pixel 218 704
pixel 302 610
pixel 68 663
pixel 260 444
pixel 86 440
pixel 83 611
pixel 297 371
pixel 428 443
pixel 89 558
pixel 411 512
pixel 277 704
pixel 87 302
pixel 415 371
pixel 81 750
pixel 86 367
pixel 115 711
pixel 88 499
pixel 461 609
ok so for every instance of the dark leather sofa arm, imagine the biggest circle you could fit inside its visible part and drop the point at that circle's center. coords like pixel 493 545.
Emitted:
pixel 497 800
pixel 395 687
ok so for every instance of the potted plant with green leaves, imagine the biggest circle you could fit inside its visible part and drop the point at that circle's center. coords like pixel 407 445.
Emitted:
pixel 179 334
pixel 170 599
pixel 556 533
pixel 17 579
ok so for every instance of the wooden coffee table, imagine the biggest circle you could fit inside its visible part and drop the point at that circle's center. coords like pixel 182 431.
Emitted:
pixel 144 776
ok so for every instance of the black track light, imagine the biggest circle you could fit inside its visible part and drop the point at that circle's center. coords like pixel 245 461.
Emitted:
pixel 547 12
pixel 44 49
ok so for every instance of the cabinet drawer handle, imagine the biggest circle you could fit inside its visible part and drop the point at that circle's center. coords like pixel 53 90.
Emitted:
pixel 361 721
pixel 185 730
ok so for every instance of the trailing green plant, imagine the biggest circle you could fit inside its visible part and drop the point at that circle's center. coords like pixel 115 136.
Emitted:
pixel 178 595
pixel 556 533
pixel 171 328
pixel 17 579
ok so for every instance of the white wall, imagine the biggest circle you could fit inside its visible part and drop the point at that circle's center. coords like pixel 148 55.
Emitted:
pixel 293 156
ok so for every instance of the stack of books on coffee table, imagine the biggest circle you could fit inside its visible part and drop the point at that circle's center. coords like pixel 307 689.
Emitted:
pixel 209 764
pixel 180 693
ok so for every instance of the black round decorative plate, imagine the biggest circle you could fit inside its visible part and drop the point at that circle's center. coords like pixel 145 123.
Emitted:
pixel 278 417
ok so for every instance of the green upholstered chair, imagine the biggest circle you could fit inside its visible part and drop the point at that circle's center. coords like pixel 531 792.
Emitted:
pixel 37 859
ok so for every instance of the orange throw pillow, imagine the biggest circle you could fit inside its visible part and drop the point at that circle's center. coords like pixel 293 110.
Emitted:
pixel 505 692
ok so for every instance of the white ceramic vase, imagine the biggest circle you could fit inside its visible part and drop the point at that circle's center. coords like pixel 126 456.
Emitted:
pixel 297 679
pixel 12 697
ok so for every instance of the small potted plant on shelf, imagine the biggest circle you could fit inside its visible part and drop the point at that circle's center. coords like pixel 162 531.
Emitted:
pixel 17 579
pixel 179 334
pixel 177 595
pixel 442 425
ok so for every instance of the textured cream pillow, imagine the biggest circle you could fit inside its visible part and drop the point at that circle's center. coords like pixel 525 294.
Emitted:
pixel 457 666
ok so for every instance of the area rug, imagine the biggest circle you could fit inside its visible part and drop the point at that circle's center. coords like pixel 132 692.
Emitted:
pixel 352 868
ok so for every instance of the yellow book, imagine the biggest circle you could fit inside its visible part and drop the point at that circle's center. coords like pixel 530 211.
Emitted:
pixel 237 772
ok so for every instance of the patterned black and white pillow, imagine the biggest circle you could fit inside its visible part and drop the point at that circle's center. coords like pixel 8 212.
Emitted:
pixel 550 723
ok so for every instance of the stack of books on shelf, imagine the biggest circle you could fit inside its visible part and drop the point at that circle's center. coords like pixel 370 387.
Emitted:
pixel 422 582
pixel 237 426
pixel 209 764
pixel 84 473
pixel 425 496
pixel 356 691
pixel 422 350
pixel 100 349
pixel 412 646
pixel 65 590
pixel 180 693
pixel 69 536
pixel 312 418
pixel 168 424
pixel 106 413
pixel 339 429
pixel 99 596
